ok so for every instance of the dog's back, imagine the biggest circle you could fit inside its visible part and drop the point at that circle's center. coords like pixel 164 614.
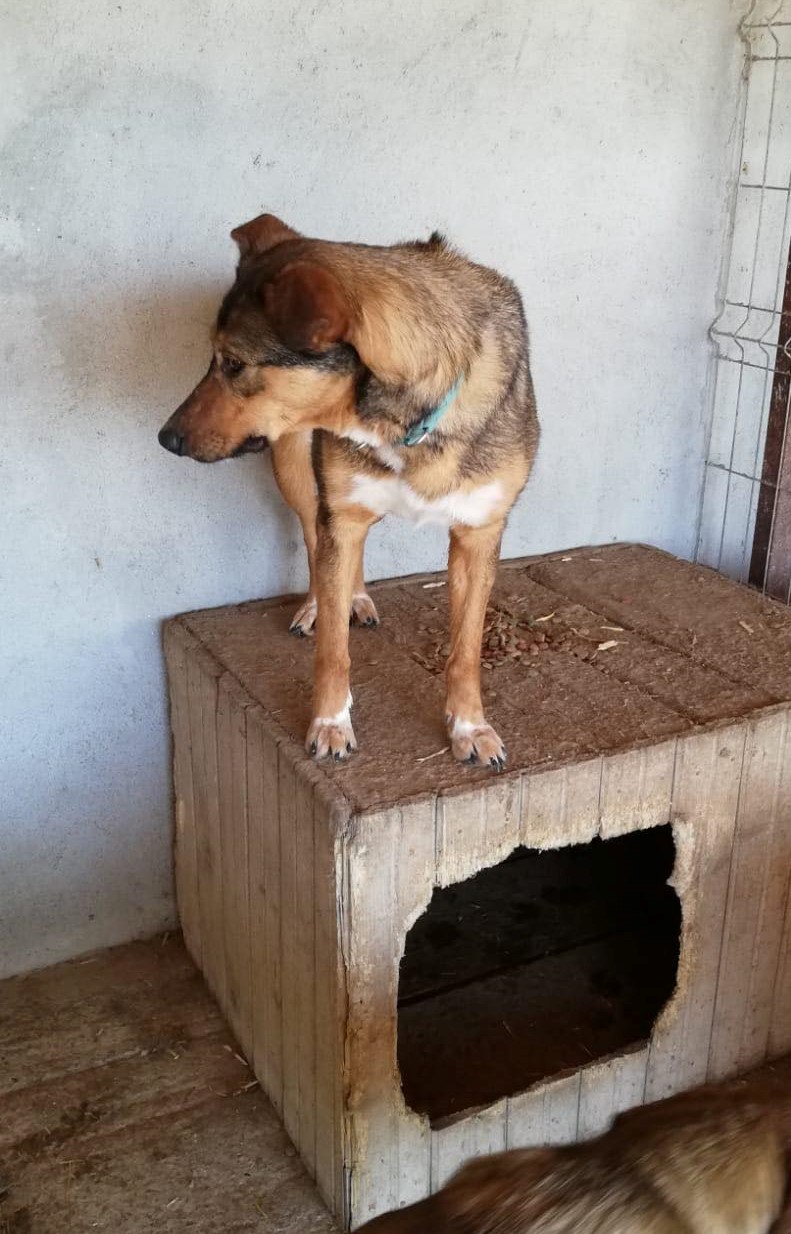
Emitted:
pixel 710 1163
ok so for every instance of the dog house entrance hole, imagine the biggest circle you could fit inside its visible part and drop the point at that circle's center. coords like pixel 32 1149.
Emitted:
pixel 536 966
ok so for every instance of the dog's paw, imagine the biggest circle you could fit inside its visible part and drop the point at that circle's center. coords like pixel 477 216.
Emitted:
pixel 304 618
pixel 363 611
pixel 476 744
pixel 331 737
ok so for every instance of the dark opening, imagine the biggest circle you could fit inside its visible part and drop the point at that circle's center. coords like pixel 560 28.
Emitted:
pixel 536 966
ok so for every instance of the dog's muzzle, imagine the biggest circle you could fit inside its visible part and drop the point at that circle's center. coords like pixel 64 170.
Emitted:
pixel 170 440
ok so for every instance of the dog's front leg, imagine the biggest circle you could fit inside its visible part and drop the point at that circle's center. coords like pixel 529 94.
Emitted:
pixel 341 536
pixel 472 563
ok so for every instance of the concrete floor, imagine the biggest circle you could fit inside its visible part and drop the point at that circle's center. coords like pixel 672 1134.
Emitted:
pixel 124 1107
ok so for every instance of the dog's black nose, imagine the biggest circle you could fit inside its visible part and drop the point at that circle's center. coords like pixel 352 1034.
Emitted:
pixel 171 440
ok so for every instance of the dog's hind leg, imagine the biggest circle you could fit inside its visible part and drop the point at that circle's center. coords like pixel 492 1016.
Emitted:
pixel 472 564
pixel 293 470
pixel 363 610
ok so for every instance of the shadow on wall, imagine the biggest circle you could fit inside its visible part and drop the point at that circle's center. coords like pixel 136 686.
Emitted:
pixel 111 535
pixel 126 361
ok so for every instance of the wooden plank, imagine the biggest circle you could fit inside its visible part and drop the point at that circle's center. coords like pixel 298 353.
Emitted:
pixel 546 1114
pixel 303 975
pixel 232 780
pixel 636 789
pixel 705 800
pixel 185 855
pixel 477 1135
pixel 288 823
pixel 609 1087
pixel 778 990
pixel 476 830
pixel 202 676
pixel 390 861
pixel 330 823
pixel 752 935
pixel 685 607
pixel 561 806
pixel 780 1028
pixel 264 891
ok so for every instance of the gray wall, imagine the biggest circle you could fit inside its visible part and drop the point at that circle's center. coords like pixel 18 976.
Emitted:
pixel 583 146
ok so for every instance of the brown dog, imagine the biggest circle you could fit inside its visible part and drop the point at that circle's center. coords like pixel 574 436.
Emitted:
pixel 711 1162
pixel 386 380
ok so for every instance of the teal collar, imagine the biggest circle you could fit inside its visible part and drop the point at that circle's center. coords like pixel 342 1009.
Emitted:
pixel 420 431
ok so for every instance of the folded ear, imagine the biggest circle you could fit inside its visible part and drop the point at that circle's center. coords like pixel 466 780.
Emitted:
pixel 307 307
pixel 262 233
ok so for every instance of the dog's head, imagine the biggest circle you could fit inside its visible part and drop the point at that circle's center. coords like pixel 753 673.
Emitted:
pixel 282 356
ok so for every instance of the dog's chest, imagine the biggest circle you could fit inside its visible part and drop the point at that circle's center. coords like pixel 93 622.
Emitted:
pixel 393 495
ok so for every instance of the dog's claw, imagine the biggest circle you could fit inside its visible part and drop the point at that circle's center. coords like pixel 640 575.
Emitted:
pixel 331 740
pixel 476 745
pixel 364 611
pixel 304 619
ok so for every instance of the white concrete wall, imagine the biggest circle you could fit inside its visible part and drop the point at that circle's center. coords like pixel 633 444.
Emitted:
pixel 583 146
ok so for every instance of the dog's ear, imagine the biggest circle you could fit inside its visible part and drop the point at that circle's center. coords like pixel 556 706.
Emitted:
pixel 260 234
pixel 307 307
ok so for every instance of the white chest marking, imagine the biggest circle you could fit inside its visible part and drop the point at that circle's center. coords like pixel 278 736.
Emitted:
pixel 386 454
pixel 391 495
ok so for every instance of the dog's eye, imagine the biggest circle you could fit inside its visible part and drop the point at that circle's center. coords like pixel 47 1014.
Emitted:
pixel 231 366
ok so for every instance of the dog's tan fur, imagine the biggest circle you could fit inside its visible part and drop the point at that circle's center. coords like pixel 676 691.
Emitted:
pixel 332 352
pixel 709 1162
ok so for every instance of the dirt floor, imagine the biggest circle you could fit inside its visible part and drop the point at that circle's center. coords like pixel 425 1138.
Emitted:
pixel 124 1107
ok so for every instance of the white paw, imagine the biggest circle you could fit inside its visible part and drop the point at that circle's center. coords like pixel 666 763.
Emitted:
pixel 364 611
pixel 332 736
pixel 305 618
pixel 476 744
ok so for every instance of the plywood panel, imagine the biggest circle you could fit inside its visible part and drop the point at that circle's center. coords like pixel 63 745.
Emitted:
pixel 705 801
pixel 290 825
pixel 752 933
pixel 232 782
pixel 545 1115
pixel 264 891
pixel 476 829
pixel 186 859
pixel 330 823
pixel 479 1134
pixel 202 676
pixel 390 859
pixel 609 1087
pixel 636 789
pixel 561 806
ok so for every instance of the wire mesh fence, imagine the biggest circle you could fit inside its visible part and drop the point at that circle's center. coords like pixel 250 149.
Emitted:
pixel 745 528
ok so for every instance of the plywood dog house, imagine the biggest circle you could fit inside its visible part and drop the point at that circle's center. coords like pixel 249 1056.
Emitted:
pixel 424 962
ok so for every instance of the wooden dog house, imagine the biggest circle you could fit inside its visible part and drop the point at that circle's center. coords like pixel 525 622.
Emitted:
pixel 423 962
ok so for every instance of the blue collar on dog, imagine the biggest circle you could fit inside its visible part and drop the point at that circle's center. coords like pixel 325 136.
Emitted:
pixel 420 431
